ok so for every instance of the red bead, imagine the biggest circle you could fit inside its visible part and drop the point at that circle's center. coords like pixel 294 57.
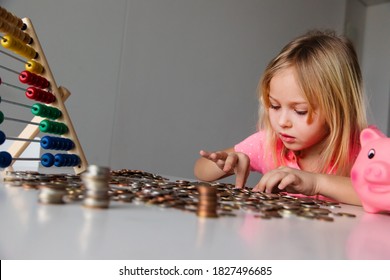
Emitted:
pixel 32 79
pixel 40 95
pixel 25 77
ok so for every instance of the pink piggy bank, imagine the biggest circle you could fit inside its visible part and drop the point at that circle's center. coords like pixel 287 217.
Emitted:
pixel 370 173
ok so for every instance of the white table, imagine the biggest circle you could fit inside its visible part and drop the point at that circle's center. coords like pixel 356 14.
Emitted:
pixel 30 230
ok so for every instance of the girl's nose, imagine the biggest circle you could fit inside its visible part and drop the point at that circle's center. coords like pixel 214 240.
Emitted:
pixel 284 120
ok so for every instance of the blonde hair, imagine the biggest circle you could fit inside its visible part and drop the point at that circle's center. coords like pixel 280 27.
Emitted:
pixel 329 75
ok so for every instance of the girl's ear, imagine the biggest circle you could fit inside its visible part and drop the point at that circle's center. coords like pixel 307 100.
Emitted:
pixel 369 134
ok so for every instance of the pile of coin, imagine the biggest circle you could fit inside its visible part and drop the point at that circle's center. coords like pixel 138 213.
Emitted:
pixel 96 182
pixel 51 193
pixel 207 201
pixel 98 186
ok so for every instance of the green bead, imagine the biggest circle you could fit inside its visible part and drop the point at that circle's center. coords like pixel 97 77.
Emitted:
pixel 54 113
pixel 37 109
pixel 45 126
pixel 1 117
pixel 45 111
pixel 56 128
pixel 57 113
pixel 64 129
pixel 53 127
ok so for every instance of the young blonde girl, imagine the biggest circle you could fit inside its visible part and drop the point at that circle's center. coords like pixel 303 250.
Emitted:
pixel 311 115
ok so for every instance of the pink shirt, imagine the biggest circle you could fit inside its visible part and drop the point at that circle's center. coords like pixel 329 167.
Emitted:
pixel 262 161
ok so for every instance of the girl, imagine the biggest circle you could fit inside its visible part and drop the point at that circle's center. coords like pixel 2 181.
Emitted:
pixel 311 117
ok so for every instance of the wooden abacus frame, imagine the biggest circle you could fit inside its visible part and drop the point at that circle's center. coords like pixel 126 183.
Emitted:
pixel 61 94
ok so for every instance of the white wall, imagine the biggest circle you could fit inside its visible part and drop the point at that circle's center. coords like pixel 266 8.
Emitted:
pixel 376 63
pixel 355 24
pixel 190 72
pixel 154 81
pixel 367 24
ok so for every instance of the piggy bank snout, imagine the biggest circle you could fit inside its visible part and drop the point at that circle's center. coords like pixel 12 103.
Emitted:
pixel 377 172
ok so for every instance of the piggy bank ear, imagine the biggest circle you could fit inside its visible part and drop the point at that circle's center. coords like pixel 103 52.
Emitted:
pixel 369 134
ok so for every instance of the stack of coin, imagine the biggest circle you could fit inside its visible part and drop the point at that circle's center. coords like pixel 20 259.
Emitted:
pixel 96 181
pixel 208 201
pixel 51 193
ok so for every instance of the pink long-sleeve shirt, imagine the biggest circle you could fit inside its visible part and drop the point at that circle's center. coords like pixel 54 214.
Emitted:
pixel 261 160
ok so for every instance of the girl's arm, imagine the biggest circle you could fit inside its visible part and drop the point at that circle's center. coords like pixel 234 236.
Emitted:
pixel 339 188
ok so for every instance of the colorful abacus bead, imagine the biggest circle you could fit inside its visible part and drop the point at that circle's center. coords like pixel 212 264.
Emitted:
pixel 11 18
pixel 61 160
pixel 2 137
pixel 26 77
pixel 47 160
pixel 5 159
pixel 18 47
pixel 40 95
pixel 44 111
pixel 56 143
pixel 48 126
pixel 34 67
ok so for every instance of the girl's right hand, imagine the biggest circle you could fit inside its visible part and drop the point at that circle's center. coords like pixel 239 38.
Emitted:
pixel 230 163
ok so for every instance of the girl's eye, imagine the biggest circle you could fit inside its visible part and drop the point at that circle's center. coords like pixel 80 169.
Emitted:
pixel 274 107
pixel 302 113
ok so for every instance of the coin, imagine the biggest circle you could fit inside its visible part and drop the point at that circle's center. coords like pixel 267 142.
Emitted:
pixel 208 201
pixel 97 188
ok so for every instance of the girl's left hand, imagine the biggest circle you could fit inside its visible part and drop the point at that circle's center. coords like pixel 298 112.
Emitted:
pixel 289 180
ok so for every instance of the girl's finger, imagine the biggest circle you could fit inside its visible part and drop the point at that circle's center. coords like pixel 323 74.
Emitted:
pixel 287 181
pixel 273 181
pixel 230 163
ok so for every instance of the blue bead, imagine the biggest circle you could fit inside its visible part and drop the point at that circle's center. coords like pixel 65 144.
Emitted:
pixel 60 160
pixel 75 160
pixel 61 144
pixel 2 137
pixel 56 143
pixel 69 144
pixel 47 160
pixel 5 159
pixel 46 142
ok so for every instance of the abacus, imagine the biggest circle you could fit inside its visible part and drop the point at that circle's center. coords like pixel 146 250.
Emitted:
pixel 19 37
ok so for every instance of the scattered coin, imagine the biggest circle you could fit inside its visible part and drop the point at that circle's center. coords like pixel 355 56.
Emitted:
pixel 99 185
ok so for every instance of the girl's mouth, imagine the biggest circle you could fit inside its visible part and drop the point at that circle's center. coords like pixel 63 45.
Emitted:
pixel 286 138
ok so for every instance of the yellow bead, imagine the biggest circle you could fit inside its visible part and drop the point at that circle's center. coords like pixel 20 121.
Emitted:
pixel 7 42
pixel 18 47
pixel 34 67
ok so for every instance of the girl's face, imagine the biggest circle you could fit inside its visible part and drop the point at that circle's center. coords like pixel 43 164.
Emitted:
pixel 288 113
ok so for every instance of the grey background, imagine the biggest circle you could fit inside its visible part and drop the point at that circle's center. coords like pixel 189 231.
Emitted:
pixel 155 81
